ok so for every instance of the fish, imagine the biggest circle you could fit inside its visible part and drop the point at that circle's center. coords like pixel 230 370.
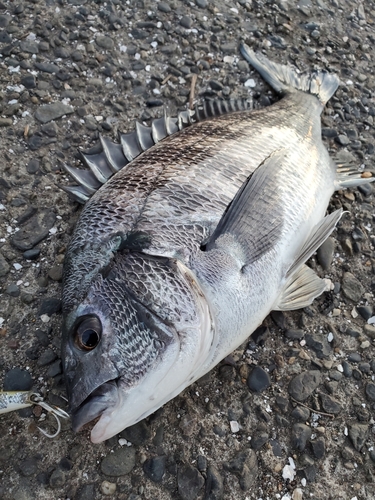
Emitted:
pixel 193 230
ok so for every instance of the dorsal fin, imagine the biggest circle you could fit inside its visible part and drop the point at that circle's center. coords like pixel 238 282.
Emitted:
pixel 112 157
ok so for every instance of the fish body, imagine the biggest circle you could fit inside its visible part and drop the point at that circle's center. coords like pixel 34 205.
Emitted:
pixel 181 254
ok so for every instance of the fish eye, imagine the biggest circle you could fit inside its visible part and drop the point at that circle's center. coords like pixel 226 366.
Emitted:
pixel 88 333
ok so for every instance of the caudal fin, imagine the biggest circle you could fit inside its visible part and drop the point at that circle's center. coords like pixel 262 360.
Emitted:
pixel 283 78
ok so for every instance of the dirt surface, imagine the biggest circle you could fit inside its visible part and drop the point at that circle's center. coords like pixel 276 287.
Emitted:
pixel 105 64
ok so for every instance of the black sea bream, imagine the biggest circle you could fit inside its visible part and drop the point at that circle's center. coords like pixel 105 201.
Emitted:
pixel 183 252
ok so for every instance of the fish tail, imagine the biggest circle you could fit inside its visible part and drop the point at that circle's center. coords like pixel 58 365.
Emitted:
pixel 284 79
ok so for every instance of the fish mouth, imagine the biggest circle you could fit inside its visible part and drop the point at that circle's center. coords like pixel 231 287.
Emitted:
pixel 100 400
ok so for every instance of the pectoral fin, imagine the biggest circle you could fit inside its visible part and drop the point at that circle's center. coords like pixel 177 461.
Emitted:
pixel 254 217
pixel 302 287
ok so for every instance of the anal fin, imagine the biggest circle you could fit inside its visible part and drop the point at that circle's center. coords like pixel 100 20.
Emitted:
pixel 301 288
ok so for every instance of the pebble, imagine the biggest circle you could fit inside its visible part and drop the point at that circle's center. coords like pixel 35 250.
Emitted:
pixel 189 482
pixel 47 357
pixel 50 306
pixel 318 447
pixel 245 466
pixel 370 391
pixel 13 290
pixel 86 492
pixel 325 253
pixel 108 488
pixel 29 467
pixel 330 405
pixel 17 379
pixel 365 311
pixel 319 343
pixel 352 287
pixel 119 463
pixel 53 111
pixel 354 357
pixel 55 273
pixel 259 439
pixel 300 413
pixel 34 229
pixel 57 479
pixel 304 384
pixel 4 266
pixel 348 371
pixel 154 468
pixel 358 435
pixel 294 334
pixel 137 434
pixel 31 254
pixel 258 380
pixel 104 42
pixel 214 484
pixel 301 433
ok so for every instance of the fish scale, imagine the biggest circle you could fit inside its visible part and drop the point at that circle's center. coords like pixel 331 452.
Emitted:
pixel 184 251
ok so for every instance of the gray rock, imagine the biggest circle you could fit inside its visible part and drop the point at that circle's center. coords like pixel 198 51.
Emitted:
pixel 164 7
pixel 154 468
pixel 258 440
pixel 56 272
pixel 301 433
pixel 35 229
pixel 57 479
pixel 50 306
pixel 189 482
pixel 137 434
pixel 86 492
pixel 318 447
pixel 104 42
pixel 342 139
pixel 352 288
pixel 214 484
pixel 358 435
pixel 47 67
pixel 229 47
pixel 319 343
pixel 300 413
pixel 13 290
pixel 29 81
pixel 33 166
pixel 258 380
pixel 354 357
pixel 119 463
pixel 370 391
pixel 330 405
pixel 47 357
pixel 294 334
pixel 53 111
pixel 365 311
pixel 348 371
pixel 4 266
pixel 325 253
pixel 17 379
pixel 186 21
pixel 54 369
pixel 304 384
pixel 29 467
pixel 29 47
pixel 245 466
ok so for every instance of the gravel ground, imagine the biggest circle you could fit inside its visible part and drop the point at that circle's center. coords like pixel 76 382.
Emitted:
pixel 289 414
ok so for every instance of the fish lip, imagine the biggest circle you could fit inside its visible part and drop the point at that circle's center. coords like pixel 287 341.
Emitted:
pixel 96 403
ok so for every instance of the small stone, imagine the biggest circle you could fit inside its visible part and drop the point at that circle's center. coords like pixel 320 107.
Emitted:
pixel 31 254
pixel 4 266
pixel 319 343
pixel 201 3
pixel 301 433
pixel 214 484
pixel 164 7
pixel 29 467
pixel 300 413
pixel 29 81
pixel 304 384
pixel 352 287
pixel 57 479
pixel 358 435
pixel 319 447
pixel 245 466
pixel 55 273
pixel 258 440
pixel 34 229
pixel 348 371
pixel 104 42
pixel 13 290
pixel 53 111
pixel 189 482
pixel 108 488
pixel 33 166
pixel 50 306
pixel 258 380
pixel 354 357
pixel 325 253
pixel 119 463
pixel 54 369
pixel 365 312
pixel 342 139
pixel 17 379
pixel 186 22
pixel 330 405
pixel 47 357
pixel 137 434
pixel 370 391
pixel 294 334
pixel 86 492
pixel 154 468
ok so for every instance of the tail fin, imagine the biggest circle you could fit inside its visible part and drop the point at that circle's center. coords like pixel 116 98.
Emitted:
pixel 283 79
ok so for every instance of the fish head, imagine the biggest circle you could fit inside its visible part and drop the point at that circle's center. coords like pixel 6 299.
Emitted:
pixel 137 339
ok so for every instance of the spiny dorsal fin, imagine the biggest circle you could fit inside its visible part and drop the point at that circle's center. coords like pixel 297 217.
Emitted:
pixel 112 157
